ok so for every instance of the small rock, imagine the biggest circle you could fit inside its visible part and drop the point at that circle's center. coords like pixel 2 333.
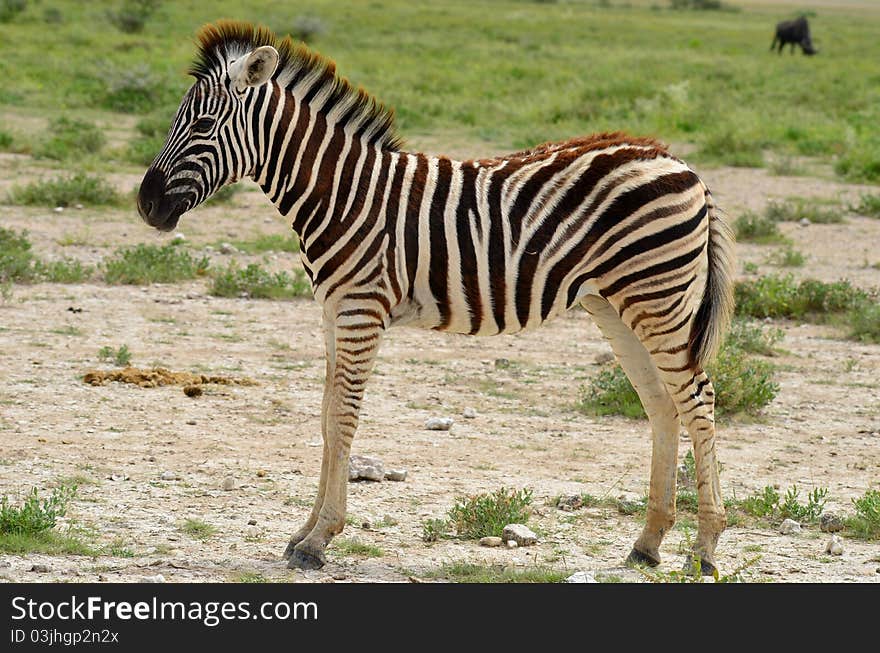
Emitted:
pixel 118 477
pixel 502 363
pixel 191 422
pixel 365 468
pixel 252 522
pixel 789 527
pixel 339 576
pixel 226 248
pixel 395 475
pixel 366 525
pixel 520 534
pixel 804 222
pixel 511 544
pixel 252 531
pixel 469 413
pixel 581 577
pixel 604 357
pixel 491 541
pixel 178 238
pixel 569 503
pixel 261 473
pixel 169 476
pixel 228 483
pixel 78 206
pixel 439 423
pixel 40 569
pixel 830 522
pixel 158 578
pixel 58 209
pixel 834 546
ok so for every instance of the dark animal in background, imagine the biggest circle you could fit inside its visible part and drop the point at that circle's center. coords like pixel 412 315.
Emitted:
pixel 794 32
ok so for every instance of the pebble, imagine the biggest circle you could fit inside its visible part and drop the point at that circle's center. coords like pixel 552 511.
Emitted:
pixel 491 541
pixel 365 468
pixel 834 546
pixel 469 413
pixel 789 527
pixel 261 473
pixel 522 535
pixel 169 476
pixel 830 522
pixel 804 222
pixel 395 475
pixel 511 544
pixel 502 363
pixel 78 206
pixel 252 531
pixel 581 577
pixel 226 248
pixel 40 569
pixel 228 483
pixel 158 578
pixel 252 522
pixel 178 238
pixel 58 209
pixel 604 357
pixel 439 423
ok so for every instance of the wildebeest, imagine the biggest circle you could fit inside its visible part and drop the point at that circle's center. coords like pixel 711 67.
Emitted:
pixel 795 31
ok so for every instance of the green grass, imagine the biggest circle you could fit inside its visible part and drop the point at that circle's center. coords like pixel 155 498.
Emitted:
pixel 5 141
pixel 255 282
pixel 143 264
pixel 482 515
pixel 248 577
pixel 47 542
pixel 864 322
pixel 120 357
pixel 198 529
pixel 814 210
pixel 743 384
pixel 353 547
pixel 35 515
pixel 510 77
pixel 784 297
pixel 69 138
pixel 787 257
pixel 78 188
pixel 753 337
pixel 17 261
pixel 465 572
pixel 268 243
pixel 770 505
pixel 865 524
pixel 753 228
pixel 869 205
pixel 66 270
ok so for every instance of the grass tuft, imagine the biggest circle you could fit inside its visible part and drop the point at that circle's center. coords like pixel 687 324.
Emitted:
pixel 143 264
pixel 482 515
pixel 78 188
pixel 257 283
pixel 198 529
pixel 865 524
pixel 753 228
pixel 69 138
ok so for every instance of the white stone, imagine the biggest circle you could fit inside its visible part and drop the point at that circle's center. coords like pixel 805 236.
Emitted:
pixel 58 209
pixel 226 248
pixel 158 578
pixel 228 483
pixel 439 423
pixel 252 531
pixel 804 222
pixel 178 238
pixel 522 535
pixel 834 546
pixel 491 541
pixel 469 413
pixel 395 475
pixel 365 468
pixel 789 527
pixel 169 476
pixel 511 544
pixel 581 577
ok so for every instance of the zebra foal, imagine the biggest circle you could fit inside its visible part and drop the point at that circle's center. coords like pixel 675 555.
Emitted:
pixel 480 247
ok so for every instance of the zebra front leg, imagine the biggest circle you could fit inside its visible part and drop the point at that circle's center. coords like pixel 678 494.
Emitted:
pixel 665 425
pixel 330 365
pixel 357 334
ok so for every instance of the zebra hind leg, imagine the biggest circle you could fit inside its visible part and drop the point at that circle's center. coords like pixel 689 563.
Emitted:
pixel 665 426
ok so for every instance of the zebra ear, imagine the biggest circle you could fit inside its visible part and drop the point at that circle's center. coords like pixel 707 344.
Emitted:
pixel 254 68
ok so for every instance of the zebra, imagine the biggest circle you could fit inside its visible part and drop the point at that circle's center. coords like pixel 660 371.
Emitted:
pixel 609 222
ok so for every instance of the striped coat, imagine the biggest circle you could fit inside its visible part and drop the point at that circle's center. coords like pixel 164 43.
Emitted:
pixel 608 222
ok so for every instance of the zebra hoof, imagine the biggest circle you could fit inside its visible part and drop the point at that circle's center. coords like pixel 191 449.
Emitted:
pixel 300 559
pixel 707 568
pixel 637 557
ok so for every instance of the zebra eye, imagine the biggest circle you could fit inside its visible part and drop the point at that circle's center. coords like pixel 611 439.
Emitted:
pixel 203 125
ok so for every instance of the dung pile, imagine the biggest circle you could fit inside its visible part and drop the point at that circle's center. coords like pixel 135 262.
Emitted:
pixel 159 376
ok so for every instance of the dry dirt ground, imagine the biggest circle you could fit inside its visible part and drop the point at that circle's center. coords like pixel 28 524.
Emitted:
pixel 147 459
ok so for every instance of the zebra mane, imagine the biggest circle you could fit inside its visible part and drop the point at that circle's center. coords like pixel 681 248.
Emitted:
pixel 226 40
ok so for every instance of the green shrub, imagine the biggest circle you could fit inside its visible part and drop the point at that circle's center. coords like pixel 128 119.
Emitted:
pixel 865 523
pixel 71 138
pixel 788 257
pixel 868 205
pixel 773 296
pixel 861 161
pixel 751 227
pixel 35 515
pixel 732 148
pixel 794 210
pixel 257 283
pixel 144 264
pixel 78 188
pixel 17 262
pixel 9 9
pixel 864 322
pixel 151 133
pixel 466 572
pixel 610 393
pixel 132 90
pixel 132 15
pixel 483 515
pixel 120 357
pixel 761 505
pixel 791 508
pixel 753 338
pixel 5 140
pixel 198 529
pixel 67 270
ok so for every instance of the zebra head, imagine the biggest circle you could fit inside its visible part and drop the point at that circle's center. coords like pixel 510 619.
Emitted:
pixel 208 144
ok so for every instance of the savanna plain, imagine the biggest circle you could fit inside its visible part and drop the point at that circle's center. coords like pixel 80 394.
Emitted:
pixel 205 478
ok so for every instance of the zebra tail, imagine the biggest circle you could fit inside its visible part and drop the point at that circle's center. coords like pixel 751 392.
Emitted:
pixel 716 310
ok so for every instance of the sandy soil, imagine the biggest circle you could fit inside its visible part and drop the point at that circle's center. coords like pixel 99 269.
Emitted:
pixel 147 459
